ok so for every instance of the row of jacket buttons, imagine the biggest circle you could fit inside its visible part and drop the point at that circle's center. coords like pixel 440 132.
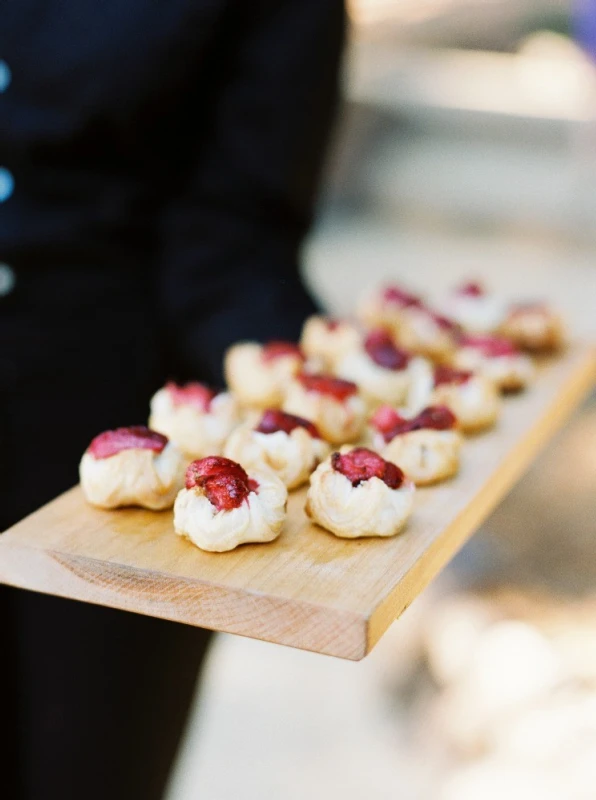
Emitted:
pixel 7 276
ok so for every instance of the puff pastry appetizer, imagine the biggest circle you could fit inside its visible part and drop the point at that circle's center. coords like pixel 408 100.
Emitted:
pixel 382 371
pixel 357 493
pixel 385 307
pixel 534 327
pixel 257 374
pixel 222 506
pixel 497 358
pixel 131 467
pixel 196 418
pixel 326 340
pixel 426 447
pixel 427 333
pixel 334 405
pixel 474 309
pixel 291 446
pixel 473 398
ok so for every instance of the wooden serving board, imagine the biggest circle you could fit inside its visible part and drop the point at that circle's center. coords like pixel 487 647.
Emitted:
pixel 308 589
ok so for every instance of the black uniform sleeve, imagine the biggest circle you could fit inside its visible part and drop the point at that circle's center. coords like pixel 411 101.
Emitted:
pixel 231 241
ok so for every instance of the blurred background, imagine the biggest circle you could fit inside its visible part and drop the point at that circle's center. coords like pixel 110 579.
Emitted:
pixel 466 148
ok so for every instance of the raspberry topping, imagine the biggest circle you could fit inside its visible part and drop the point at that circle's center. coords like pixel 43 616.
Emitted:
pixel 399 297
pixel 361 465
pixel 391 424
pixel 226 483
pixel 273 421
pixel 445 374
pixel 191 394
pixel 279 349
pixel 490 346
pixel 442 322
pixel 471 289
pixel 382 350
pixel 109 443
pixel 332 324
pixel 325 384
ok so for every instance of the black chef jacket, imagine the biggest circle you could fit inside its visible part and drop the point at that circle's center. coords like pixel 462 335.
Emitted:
pixel 158 167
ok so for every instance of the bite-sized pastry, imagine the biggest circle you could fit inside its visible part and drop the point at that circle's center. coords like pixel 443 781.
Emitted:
pixel 196 418
pixel 474 309
pixel 473 398
pixel 222 506
pixel 334 405
pixel 534 327
pixel 326 339
pixel 132 467
pixel 384 308
pixel 427 333
pixel 291 446
pixel 497 358
pixel 257 374
pixel 357 493
pixel 381 370
pixel 426 446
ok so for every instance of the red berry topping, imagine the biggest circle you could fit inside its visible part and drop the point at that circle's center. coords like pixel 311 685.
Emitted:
pixel 490 346
pixel 325 384
pixel 382 350
pixel 279 349
pixel 226 483
pixel 438 418
pixel 273 421
pixel 442 322
pixel 109 443
pixel 445 374
pixel 385 419
pixel 471 289
pixel 191 394
pixel 361 464
pixel 332 324
pixel 399 297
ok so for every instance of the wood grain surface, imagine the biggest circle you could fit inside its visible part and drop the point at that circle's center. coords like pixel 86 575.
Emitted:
pixel 308 589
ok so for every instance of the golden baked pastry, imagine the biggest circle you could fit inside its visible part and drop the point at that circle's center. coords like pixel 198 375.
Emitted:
pixel 332 404
pixel 258 374
pixel 327 339
pixel 131 467
pixel 474 309
pixel 384 307
pixel 534 327
pixel 496 358
pixel 291 446
pixel 473 398
pixel 382 371
pixel 196 418
pixel 427 333
pixel 357 493
pixel 221 506
pixel 426 447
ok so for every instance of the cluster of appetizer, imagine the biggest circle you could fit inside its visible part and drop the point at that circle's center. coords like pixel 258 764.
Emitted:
pixel 364 411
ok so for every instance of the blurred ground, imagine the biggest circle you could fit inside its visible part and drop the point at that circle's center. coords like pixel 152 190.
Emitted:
pixel 486 686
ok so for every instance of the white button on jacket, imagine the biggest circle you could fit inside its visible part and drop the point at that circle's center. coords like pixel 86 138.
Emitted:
pixel 5 76
pixel 6 184
pixel 7 280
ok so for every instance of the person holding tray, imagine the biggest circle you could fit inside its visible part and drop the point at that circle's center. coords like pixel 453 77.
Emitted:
pixel 158 169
